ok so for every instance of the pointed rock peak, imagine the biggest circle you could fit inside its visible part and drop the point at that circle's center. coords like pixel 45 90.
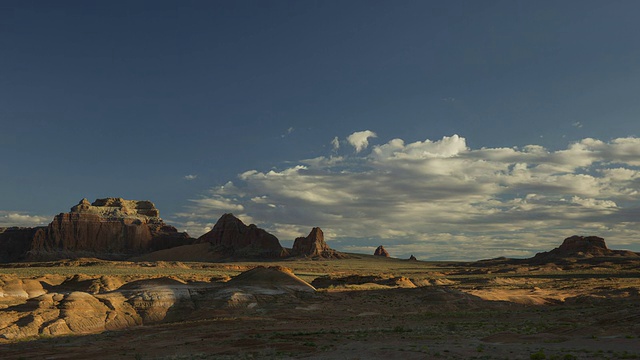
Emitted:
pixel 229 217
pixel 314 246
pixel 316 234
pixel 380 251
pixel 235 238
pixel 412 258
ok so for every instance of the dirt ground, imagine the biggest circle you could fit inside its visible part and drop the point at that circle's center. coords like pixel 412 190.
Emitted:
pixel 444 310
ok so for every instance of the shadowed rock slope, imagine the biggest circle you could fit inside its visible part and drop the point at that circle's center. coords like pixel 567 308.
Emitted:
pixel 581 247
pixel 231 238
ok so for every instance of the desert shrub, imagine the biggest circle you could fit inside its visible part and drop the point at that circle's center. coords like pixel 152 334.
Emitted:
pixel 539 355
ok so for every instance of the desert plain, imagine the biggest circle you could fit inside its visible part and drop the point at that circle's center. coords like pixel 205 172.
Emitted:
pixel 359 307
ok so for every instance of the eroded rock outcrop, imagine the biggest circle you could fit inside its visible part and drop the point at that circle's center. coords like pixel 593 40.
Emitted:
pixel 31 308
pixel 380 251
pixel 230 237
pixel 314 246
pixel 110 228
pixel 580 247
pixel 31 311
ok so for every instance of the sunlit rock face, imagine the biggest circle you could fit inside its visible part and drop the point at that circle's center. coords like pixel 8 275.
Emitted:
pixel 314 246
pixel 110 228
pixel 230 237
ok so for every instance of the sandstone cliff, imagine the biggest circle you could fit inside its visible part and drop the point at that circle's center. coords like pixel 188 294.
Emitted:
pixel 111 228
pixel 230 237
pixel 314 246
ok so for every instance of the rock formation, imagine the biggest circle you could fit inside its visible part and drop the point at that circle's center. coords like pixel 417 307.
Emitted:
pixel 581 247
pixel 55 305
pixel 314 246
pixel 37 310
pixel 391 281
pixel 16 242
pixel 380 251
pixel 230 237
pixel 111 228
pixel 412 258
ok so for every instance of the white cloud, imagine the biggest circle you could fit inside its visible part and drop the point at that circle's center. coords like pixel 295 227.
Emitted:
pixel 288 132
pixel 439 196
pixel 335 143
pixel 360 139
pixel 190 177
pixel 9 219
pixel 218 203
pixel 577 124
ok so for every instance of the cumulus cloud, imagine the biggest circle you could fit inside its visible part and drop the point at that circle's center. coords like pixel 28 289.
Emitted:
pixel 9 219
pixel 190 177
pixel 432 198
pixel 360 139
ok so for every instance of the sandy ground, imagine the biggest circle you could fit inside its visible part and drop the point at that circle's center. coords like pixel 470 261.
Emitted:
pixel 459 313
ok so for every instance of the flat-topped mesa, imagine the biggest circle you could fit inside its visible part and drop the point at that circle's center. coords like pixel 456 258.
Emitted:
pixel 111 228
pixel 580 247
pixel 314 246
pixel 584 244
pixel 232 238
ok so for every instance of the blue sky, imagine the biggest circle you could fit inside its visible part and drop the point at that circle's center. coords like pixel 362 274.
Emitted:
pixel 500 127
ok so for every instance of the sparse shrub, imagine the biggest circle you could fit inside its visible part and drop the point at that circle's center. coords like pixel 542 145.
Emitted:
pixel 539 355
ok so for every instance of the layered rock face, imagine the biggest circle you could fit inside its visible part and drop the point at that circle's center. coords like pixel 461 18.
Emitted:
pixel 111 228
pixel 230 237
pixel 314 246
pixel 380 251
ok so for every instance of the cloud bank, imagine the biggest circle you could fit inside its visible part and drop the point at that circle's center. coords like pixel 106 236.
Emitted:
pixel 10 219
pixel 439 199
